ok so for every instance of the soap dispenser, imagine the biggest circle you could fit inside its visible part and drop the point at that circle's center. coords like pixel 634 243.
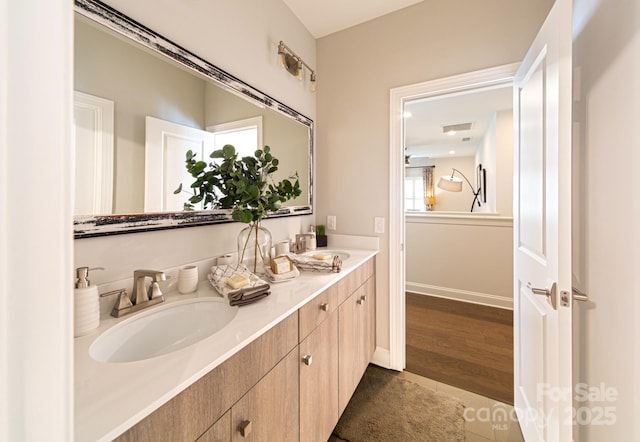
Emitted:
pixel 311 240
pixel 86 311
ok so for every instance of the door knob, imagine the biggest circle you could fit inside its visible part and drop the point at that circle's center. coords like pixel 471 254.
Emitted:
pixel 307 359
pixel 576 295
pixel 551 294
pixel 324 307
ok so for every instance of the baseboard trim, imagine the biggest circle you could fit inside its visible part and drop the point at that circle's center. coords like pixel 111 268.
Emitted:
pixel 460 295
pixel 382 357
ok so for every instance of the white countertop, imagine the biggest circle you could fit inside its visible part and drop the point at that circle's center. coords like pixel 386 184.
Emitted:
pixel 112 397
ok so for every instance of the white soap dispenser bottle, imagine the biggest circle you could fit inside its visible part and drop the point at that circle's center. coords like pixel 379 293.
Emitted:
pixel 86 311
pixel 311 241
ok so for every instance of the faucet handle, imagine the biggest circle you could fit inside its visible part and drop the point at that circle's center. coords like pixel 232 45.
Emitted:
pixel 122 302
pixel 154 290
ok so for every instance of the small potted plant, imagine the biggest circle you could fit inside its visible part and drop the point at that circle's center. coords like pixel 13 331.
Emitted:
pixel 246 186
pixel 321 235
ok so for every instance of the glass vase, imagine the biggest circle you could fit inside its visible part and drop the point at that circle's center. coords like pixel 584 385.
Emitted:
pixel 254 247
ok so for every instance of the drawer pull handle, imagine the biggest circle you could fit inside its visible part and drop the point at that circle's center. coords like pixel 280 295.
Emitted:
pixel 324 307
pixel 362 299
pixel 307 359
pixel 245 428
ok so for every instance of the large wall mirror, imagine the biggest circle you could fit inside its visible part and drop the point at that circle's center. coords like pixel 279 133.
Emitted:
pixel 140 103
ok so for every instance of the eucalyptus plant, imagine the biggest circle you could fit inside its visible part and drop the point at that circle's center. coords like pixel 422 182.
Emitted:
pixel 244 185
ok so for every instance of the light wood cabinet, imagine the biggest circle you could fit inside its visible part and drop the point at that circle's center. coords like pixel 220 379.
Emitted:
pixel 314 312
pixel 290 384
pixel 190 414
pixel 356 339
pixel 220 431
pixel 269 411
pixel 341 347
pixel 319 381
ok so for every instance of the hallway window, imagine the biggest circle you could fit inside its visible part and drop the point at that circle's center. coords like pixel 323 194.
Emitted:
pixel 414 191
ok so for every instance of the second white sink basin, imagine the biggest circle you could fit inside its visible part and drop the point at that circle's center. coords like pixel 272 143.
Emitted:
pixel 342 255
pixel 162 330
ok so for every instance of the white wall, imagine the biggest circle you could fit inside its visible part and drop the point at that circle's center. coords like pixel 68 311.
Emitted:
pixel 504 163
pixel 606 218
pixel 241 37
pixel 460 257
pixel 36 182
pixel 357 68
pixel 496 156
pixel 454 201
pixel 486 156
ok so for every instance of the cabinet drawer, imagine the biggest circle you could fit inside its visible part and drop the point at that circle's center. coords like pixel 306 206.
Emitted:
pixel 317 310
pixel 355 279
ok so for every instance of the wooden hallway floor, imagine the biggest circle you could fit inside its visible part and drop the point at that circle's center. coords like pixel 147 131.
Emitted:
pixel 465 345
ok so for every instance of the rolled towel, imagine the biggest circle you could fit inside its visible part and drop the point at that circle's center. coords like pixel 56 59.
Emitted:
pixel 249 295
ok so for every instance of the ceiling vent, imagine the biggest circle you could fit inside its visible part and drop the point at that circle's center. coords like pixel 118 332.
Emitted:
pixel 466 139
pixel 456 127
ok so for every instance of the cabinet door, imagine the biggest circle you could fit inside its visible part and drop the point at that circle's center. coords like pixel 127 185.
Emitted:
pixel 220 431
pixel 369 320
pixel 319 381
pixel 356 339
pixel 348 349
pixel 269 411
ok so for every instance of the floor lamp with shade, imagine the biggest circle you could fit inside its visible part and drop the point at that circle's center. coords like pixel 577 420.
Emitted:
pixel 454 184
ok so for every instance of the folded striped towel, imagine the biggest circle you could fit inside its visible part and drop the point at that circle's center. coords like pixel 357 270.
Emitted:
pixel 248 295
pixel 305 262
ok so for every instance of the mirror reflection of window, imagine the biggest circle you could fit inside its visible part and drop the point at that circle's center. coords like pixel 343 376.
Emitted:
pixel 245 135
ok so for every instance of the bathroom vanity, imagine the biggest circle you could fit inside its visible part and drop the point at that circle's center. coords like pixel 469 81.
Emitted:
pixel 283 368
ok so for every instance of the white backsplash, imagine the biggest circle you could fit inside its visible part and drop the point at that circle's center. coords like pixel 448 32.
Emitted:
pixel 203 265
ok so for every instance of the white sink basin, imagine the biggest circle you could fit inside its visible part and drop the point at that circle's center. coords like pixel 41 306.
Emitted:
pixel 343 255
pixel 162 330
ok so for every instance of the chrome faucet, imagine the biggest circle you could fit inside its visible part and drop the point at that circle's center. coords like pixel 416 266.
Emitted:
pixel 139 293
pixel 301 241
pixel 140 297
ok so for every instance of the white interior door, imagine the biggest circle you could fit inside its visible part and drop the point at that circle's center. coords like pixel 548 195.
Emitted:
pixel 166 145
pixel 542 232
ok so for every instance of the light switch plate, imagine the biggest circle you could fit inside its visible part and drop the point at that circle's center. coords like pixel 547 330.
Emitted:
pixel 378 224
pixel 331 222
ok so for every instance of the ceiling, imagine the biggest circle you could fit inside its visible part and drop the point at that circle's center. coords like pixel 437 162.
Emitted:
pixel 424 137
pixel 328 16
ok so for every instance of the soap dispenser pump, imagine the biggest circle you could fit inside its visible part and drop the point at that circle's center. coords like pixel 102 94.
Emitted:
pixel 86 311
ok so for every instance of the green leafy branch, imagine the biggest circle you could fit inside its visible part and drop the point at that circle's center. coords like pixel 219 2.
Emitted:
pixel 244 185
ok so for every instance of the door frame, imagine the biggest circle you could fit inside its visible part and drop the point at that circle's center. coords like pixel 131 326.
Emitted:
pixel 500 75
